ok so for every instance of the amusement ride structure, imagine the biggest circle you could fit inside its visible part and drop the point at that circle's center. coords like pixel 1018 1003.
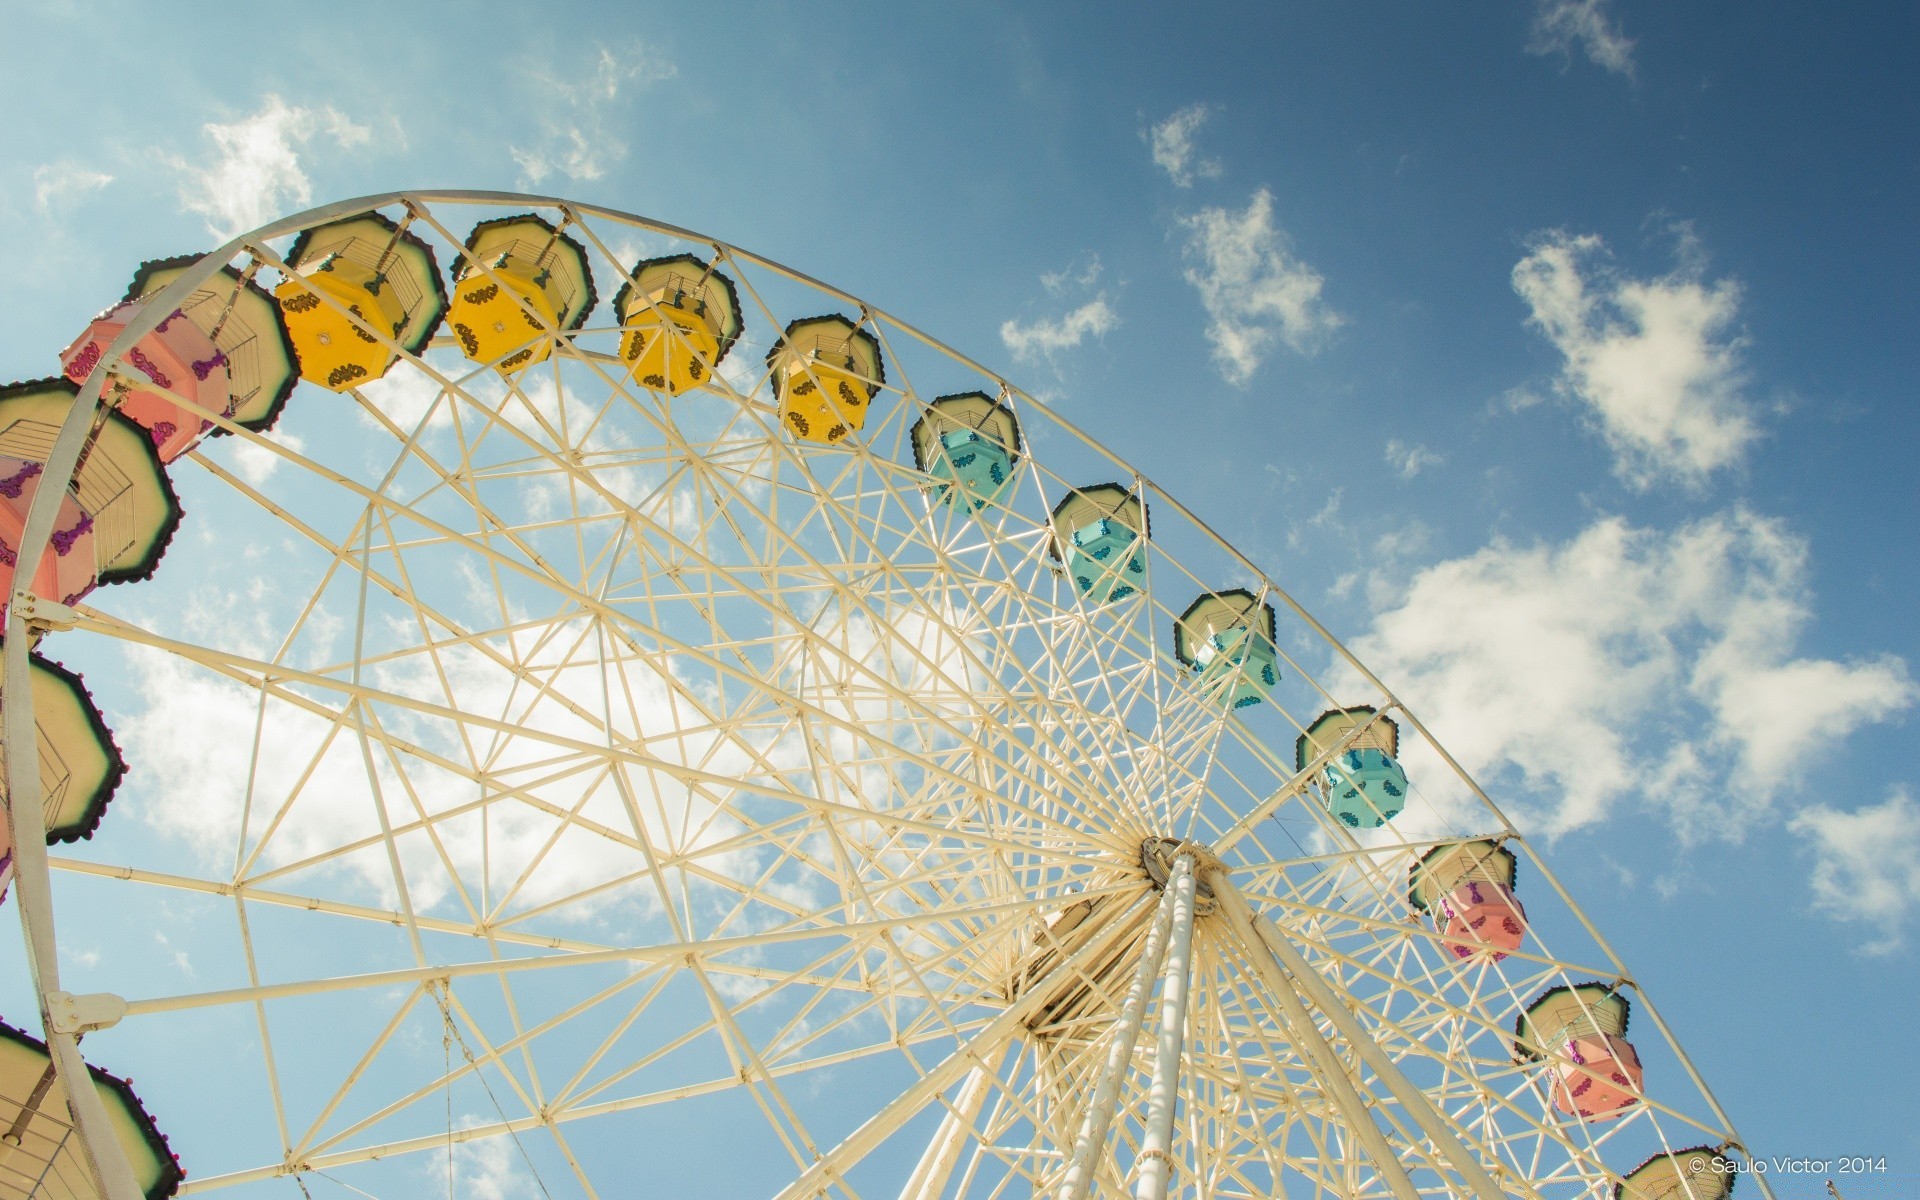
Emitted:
pixel 626 717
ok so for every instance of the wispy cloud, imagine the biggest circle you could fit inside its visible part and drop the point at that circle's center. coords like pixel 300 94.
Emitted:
pixel 580 136
pixel 1173 151
pixel 255 173
pixel 1255 292
pixel 1632 662
pixel 56 185
pixel 257 464
pixel 1867 864
pixel 1044 337
pixel 1411 460
pixel 1562 26
pixel 1655 361
pixel 1047 335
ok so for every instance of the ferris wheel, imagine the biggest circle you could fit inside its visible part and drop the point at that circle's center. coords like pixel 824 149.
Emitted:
pixel 620 717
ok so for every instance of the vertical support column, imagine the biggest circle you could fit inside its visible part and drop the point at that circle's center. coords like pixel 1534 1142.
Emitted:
pixel 1259 932
pixel 1099 1118
pixel 1154 1167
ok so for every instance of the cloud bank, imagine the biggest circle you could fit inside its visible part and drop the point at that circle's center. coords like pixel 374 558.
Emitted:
pixel 1630 665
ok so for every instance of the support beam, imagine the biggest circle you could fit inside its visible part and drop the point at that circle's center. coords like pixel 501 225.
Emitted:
pixel 1099 1118
pixel 1327 1070
pixel 816 1179
pixel 929 1179
pixel 1263 932
pixel 1153 1169
pixel 99 1145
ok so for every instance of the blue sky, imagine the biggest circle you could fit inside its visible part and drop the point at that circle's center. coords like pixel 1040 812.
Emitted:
pixel 1558 355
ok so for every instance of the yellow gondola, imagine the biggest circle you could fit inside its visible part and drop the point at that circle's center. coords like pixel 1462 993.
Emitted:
pixel 678 319
pixel 520 283
pixel 362 291
pixel 826 370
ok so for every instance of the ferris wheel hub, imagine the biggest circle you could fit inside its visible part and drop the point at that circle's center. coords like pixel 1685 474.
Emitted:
pixel 1158 854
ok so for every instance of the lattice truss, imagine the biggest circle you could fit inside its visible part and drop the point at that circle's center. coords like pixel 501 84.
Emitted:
pixel 588 756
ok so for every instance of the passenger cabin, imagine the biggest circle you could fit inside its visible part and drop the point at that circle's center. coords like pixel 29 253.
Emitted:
pixel 243 322
pixel 678 319
pixel 826 372
pixel 521 284
pixel 970 443
pixel 165 379
pixel 41 1156
pixel 1100 536
pixel 80 767
pixel 1362 783
pixel 363 290
pixel 1467 889
pixel 1580 1030
pixel 1696 1173
pixel 118 514
pixel 1227 639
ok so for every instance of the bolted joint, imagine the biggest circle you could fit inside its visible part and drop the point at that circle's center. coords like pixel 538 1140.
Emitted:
pixel 68 1013
pixel 43 615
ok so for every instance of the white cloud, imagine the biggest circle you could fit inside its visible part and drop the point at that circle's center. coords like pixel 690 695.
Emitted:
pixel 489 1168
pixel 1653 359
pixel 1172 143
pixel 255 174
pixel 579 133
pixel 1560 26
pixel 1043 337
pixel 1867 864
pixel 1080 274
pixel 1255 292
pixel 1411 460
pixel 1629 662
pixel 256 464
pixel 56 185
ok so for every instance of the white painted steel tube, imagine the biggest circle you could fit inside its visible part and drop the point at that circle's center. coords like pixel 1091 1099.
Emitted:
pixel 1411 1099
pixel 929 1179
pixel 100 1147
pixel 1325 1064
pixel 1099 1118
pixel 990 1040
pixel 1154 1167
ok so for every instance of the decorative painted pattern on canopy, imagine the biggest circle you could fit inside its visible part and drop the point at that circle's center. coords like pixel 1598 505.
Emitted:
pixel 1696 1173
pixel 362 291
pixel 44 1159
pixel 1467 888
pixel 679 317
pixel 1363 785
pixel 164 379
pixel 1582 1029
pixel 1227 639
pixel 1100 535
pixel 826 371
pixel 522 282
pixel 970 442
pixel 120 511
pixel 243 322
